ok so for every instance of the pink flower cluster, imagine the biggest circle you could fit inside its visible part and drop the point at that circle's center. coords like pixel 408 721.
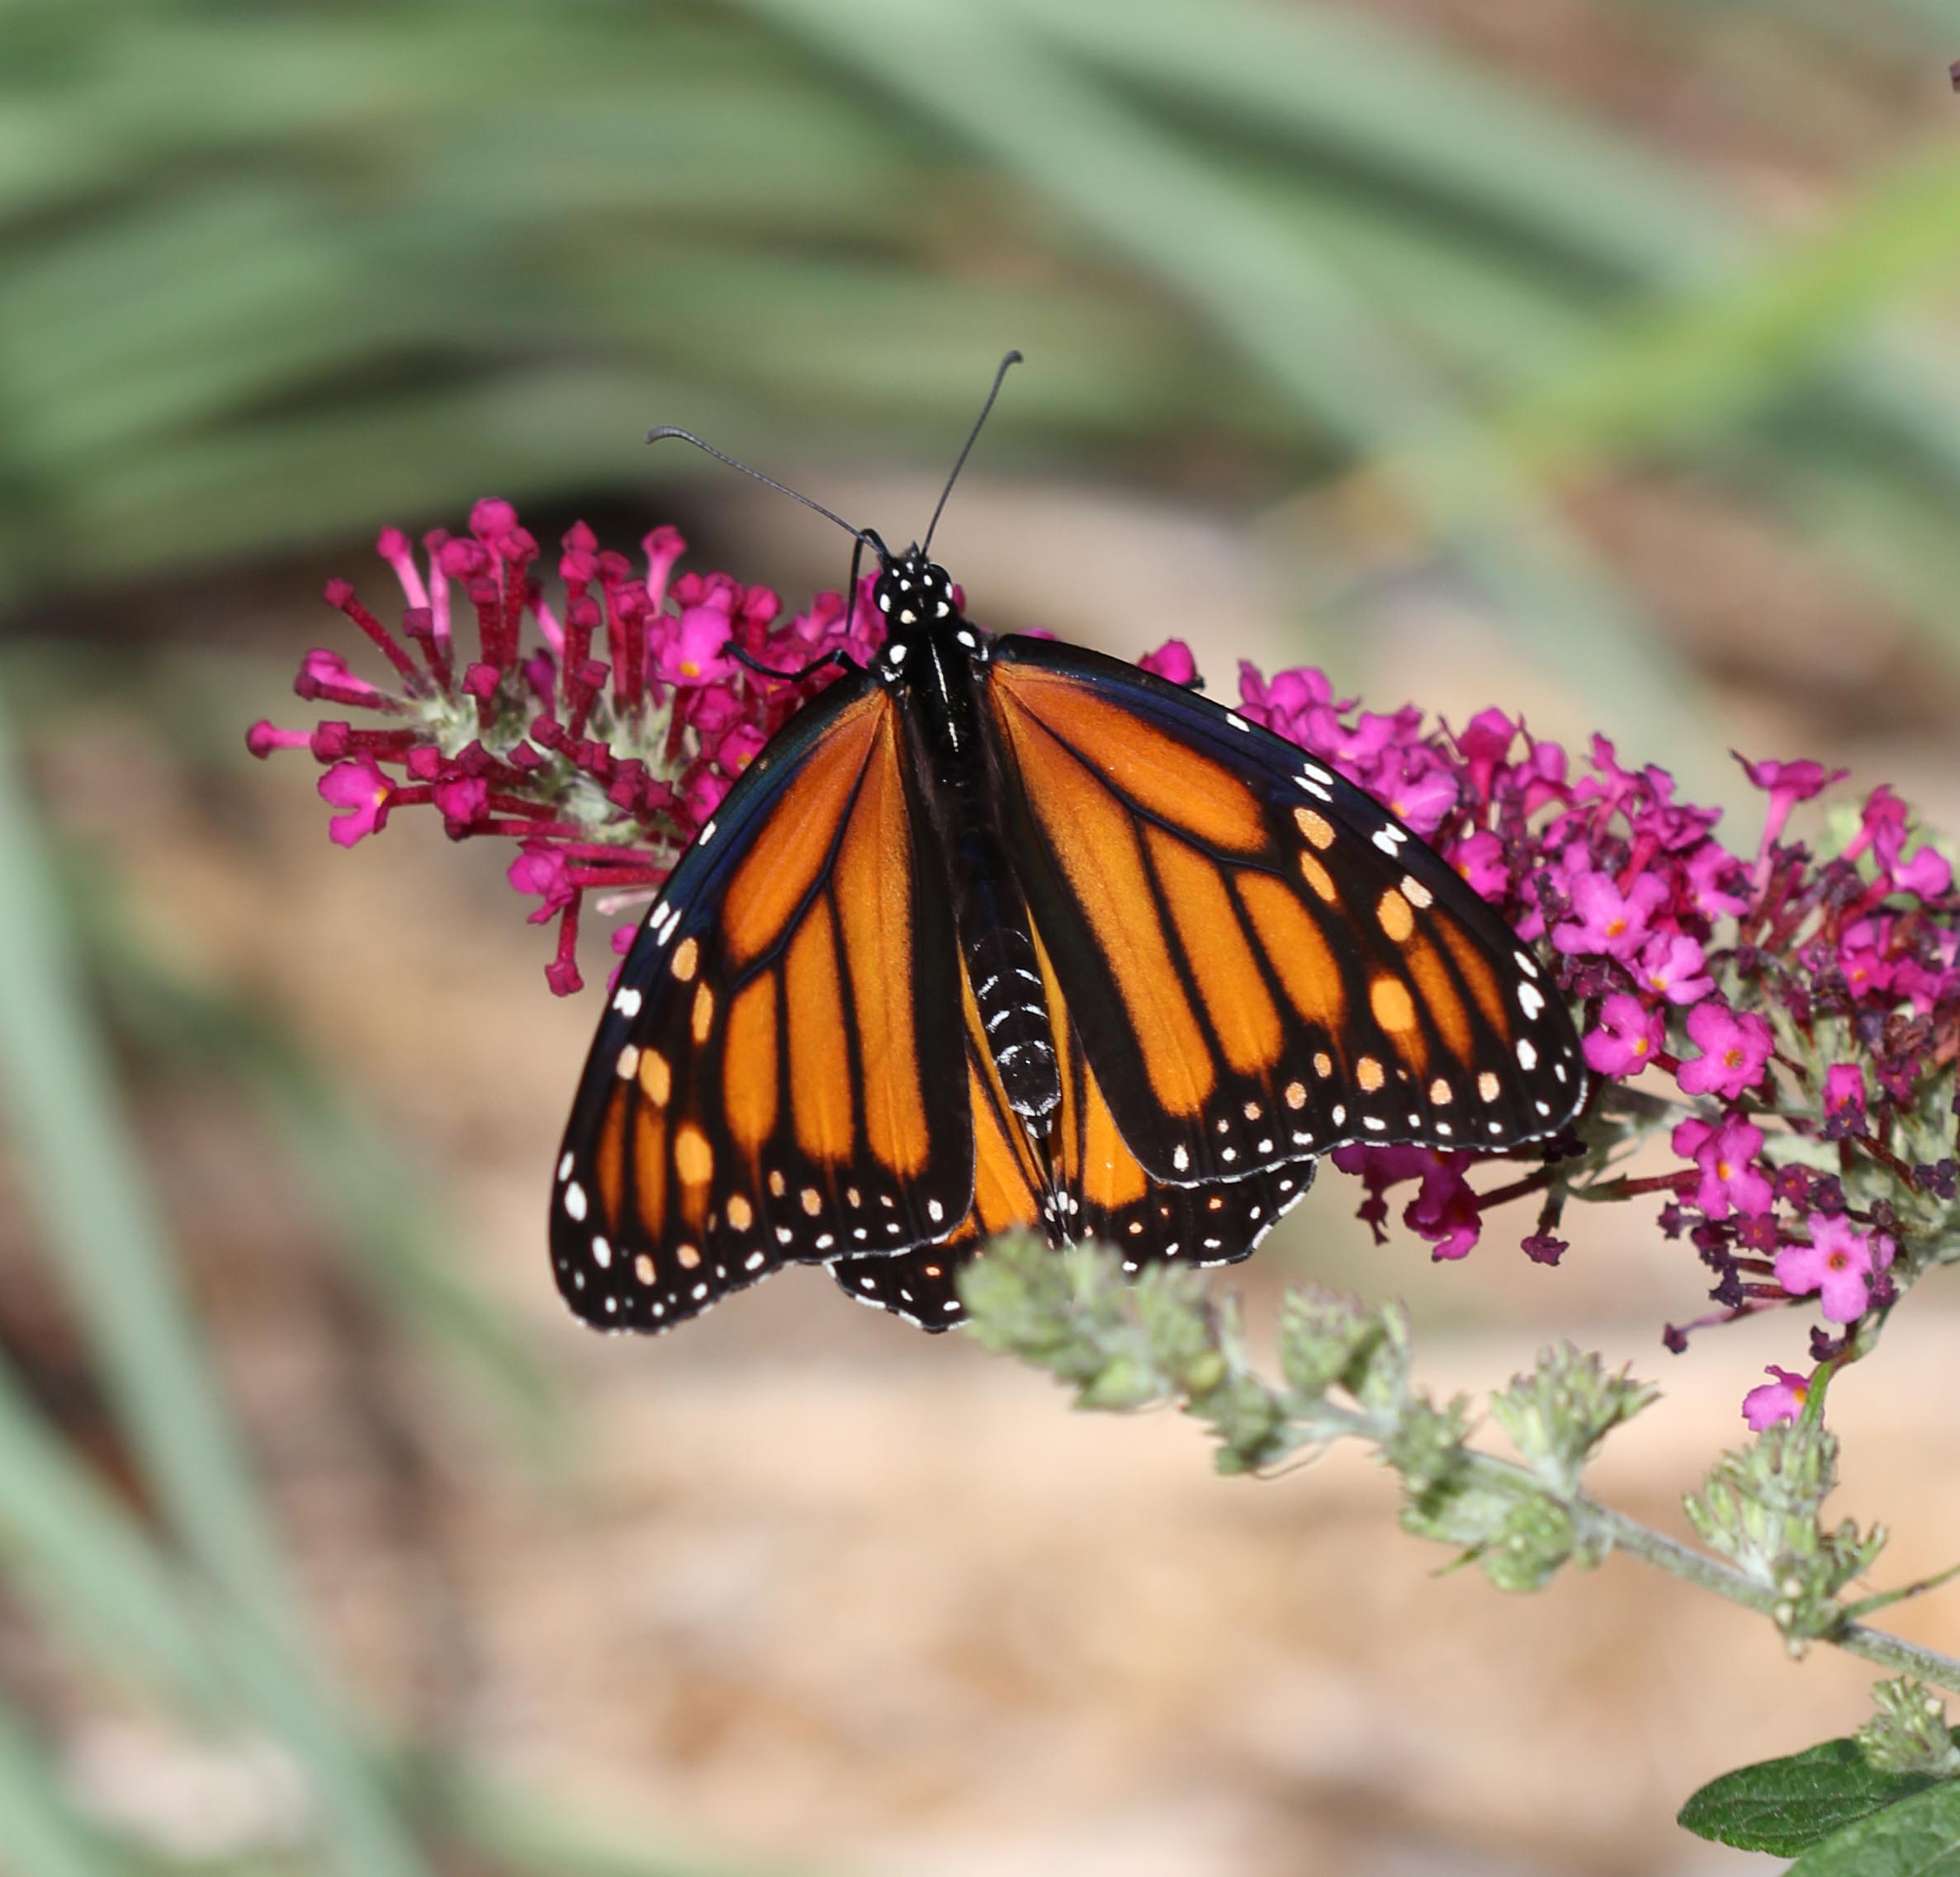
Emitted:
pixel 1793 1021
pixel 599 732
pixel 1807 1009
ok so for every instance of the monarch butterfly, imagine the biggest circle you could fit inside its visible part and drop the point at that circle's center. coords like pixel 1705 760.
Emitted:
pixel 1000 932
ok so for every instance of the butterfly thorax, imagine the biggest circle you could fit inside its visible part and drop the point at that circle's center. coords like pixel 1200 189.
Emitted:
pixel 932 656
pixel 935 660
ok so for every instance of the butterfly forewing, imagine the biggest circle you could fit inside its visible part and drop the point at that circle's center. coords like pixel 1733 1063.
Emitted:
pixel 777 1075
pixel 1263 963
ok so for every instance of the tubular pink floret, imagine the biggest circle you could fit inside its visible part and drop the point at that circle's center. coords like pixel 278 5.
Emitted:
pixel 340 593
pixel 264 737
pixel 392 545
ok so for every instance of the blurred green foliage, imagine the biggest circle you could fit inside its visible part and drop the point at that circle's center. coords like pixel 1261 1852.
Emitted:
pixel 272 274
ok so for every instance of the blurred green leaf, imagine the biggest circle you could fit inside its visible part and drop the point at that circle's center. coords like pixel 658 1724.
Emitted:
pixel 1150 196
pixel 80 1557
pixel 356 1178
pixel 1691 366
pixel 84 1181
pixel 43 1836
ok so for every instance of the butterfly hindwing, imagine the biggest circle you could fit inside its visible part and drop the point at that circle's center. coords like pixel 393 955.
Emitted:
pixel 1263 963
pixel 1105 1193
pixel 1081 1183
pixel 776 1076
pixel 1010 1193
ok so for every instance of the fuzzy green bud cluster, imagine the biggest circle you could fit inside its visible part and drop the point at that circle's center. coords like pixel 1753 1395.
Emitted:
pixel 1760 1508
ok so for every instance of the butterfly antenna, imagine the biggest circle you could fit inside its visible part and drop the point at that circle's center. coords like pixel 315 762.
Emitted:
pixel 972 437
pixel 666 430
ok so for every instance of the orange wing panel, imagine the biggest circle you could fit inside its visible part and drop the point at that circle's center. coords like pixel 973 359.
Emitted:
pixel 794 845
pixel 1162 775
pixel 1099 850
pixel 873 887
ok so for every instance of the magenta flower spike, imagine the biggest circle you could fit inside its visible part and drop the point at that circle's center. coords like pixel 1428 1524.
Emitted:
pixel 597 729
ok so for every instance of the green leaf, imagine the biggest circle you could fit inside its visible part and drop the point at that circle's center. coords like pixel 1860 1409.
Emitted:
pixel 1915 1837
pixel 86 1183
pixel 46 1837
pixel 1788 1806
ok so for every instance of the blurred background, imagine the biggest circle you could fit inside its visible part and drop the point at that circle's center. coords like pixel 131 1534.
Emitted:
pixel 1596 358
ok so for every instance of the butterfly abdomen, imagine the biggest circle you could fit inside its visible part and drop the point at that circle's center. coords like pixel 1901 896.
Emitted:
pixel 957 776
pixel 1000 958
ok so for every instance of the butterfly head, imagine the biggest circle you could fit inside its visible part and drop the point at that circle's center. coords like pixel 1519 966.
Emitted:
pixel 912 593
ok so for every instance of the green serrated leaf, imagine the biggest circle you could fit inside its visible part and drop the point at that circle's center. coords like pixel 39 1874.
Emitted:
pixel 1791 1805
pixel 1918 1836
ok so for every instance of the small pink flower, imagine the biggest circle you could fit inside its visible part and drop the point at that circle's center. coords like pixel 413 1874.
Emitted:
pixel 1485 743
pixel 1734 1050
pixel 1480 860
pixel 1671 965
pixel 1839 1263
pixel 1607 920
pixel 662 548
pixel 544 871
pixel 1786 784
pixel 1726 1152
pixel 1929 874
pixel 739 748
pixel 1444 1211
pixel 360 788
pixel 462 800
pixel 1862 956
pixel 1780 1399
pixel 693 650
pixel 1716 881
pixel 1421 800
pixel 1628 1035
pixel 1172 660
pixel 1282 703
pixel 1844 1097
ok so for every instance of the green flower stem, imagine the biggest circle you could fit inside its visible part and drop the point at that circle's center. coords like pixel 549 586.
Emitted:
pixel 1884 1598
pixel 1328 1421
